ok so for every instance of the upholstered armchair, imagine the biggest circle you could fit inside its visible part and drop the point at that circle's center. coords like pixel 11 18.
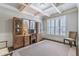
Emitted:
pixel 71 38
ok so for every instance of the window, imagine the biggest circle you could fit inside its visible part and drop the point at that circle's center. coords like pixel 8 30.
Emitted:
pixel 27 23
pixel 57 26
pixel 52 27
pixel 48 26
pixel 32 24
pixel 41 26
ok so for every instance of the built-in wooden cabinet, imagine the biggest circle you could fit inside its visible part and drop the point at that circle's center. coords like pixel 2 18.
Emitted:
pixel 17 26
pixel 26 40
pixel 18 42
pixel 24 35
pixel 20 39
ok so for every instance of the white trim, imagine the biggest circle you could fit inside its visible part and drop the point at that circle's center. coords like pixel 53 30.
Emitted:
pixel 56 8
pixel 37 9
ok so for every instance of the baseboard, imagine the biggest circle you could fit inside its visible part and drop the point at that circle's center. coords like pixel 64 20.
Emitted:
pixel 55 41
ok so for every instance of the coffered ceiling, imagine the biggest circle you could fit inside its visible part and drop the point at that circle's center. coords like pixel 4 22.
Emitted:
pixel 43 9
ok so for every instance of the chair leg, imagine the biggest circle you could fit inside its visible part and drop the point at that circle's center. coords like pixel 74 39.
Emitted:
pixel 70 43
pixel 64 41
pixel 75 43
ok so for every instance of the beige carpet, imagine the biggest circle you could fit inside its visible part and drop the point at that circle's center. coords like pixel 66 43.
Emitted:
pixel 46 48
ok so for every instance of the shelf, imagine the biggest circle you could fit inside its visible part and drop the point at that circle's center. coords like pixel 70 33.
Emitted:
pixel 24 35
pixel 19 27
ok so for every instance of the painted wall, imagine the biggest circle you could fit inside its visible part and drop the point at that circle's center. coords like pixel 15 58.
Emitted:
pixel 72 21
pixel 78 29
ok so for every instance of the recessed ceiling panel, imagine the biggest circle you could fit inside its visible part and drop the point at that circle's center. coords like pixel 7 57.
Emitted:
pixel 42 6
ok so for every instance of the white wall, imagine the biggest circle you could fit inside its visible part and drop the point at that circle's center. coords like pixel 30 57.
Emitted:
pixel 78 29
pixel 72 21
pixel 6 23
pixel 72 25
pixel 6 30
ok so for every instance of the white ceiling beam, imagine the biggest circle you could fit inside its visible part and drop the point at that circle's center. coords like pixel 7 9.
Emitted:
pixel 56 8
pixel 39 10
pixel 23 8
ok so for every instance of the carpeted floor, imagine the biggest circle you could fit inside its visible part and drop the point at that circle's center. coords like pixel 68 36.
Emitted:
pixel 47 48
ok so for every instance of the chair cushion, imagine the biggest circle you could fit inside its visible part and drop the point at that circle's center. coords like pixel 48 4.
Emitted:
pixel 70 39
pixel 4 51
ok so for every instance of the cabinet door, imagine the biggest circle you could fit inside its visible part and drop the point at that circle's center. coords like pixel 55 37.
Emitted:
pixel 26 40
pixel 18 26
pixel 18 42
